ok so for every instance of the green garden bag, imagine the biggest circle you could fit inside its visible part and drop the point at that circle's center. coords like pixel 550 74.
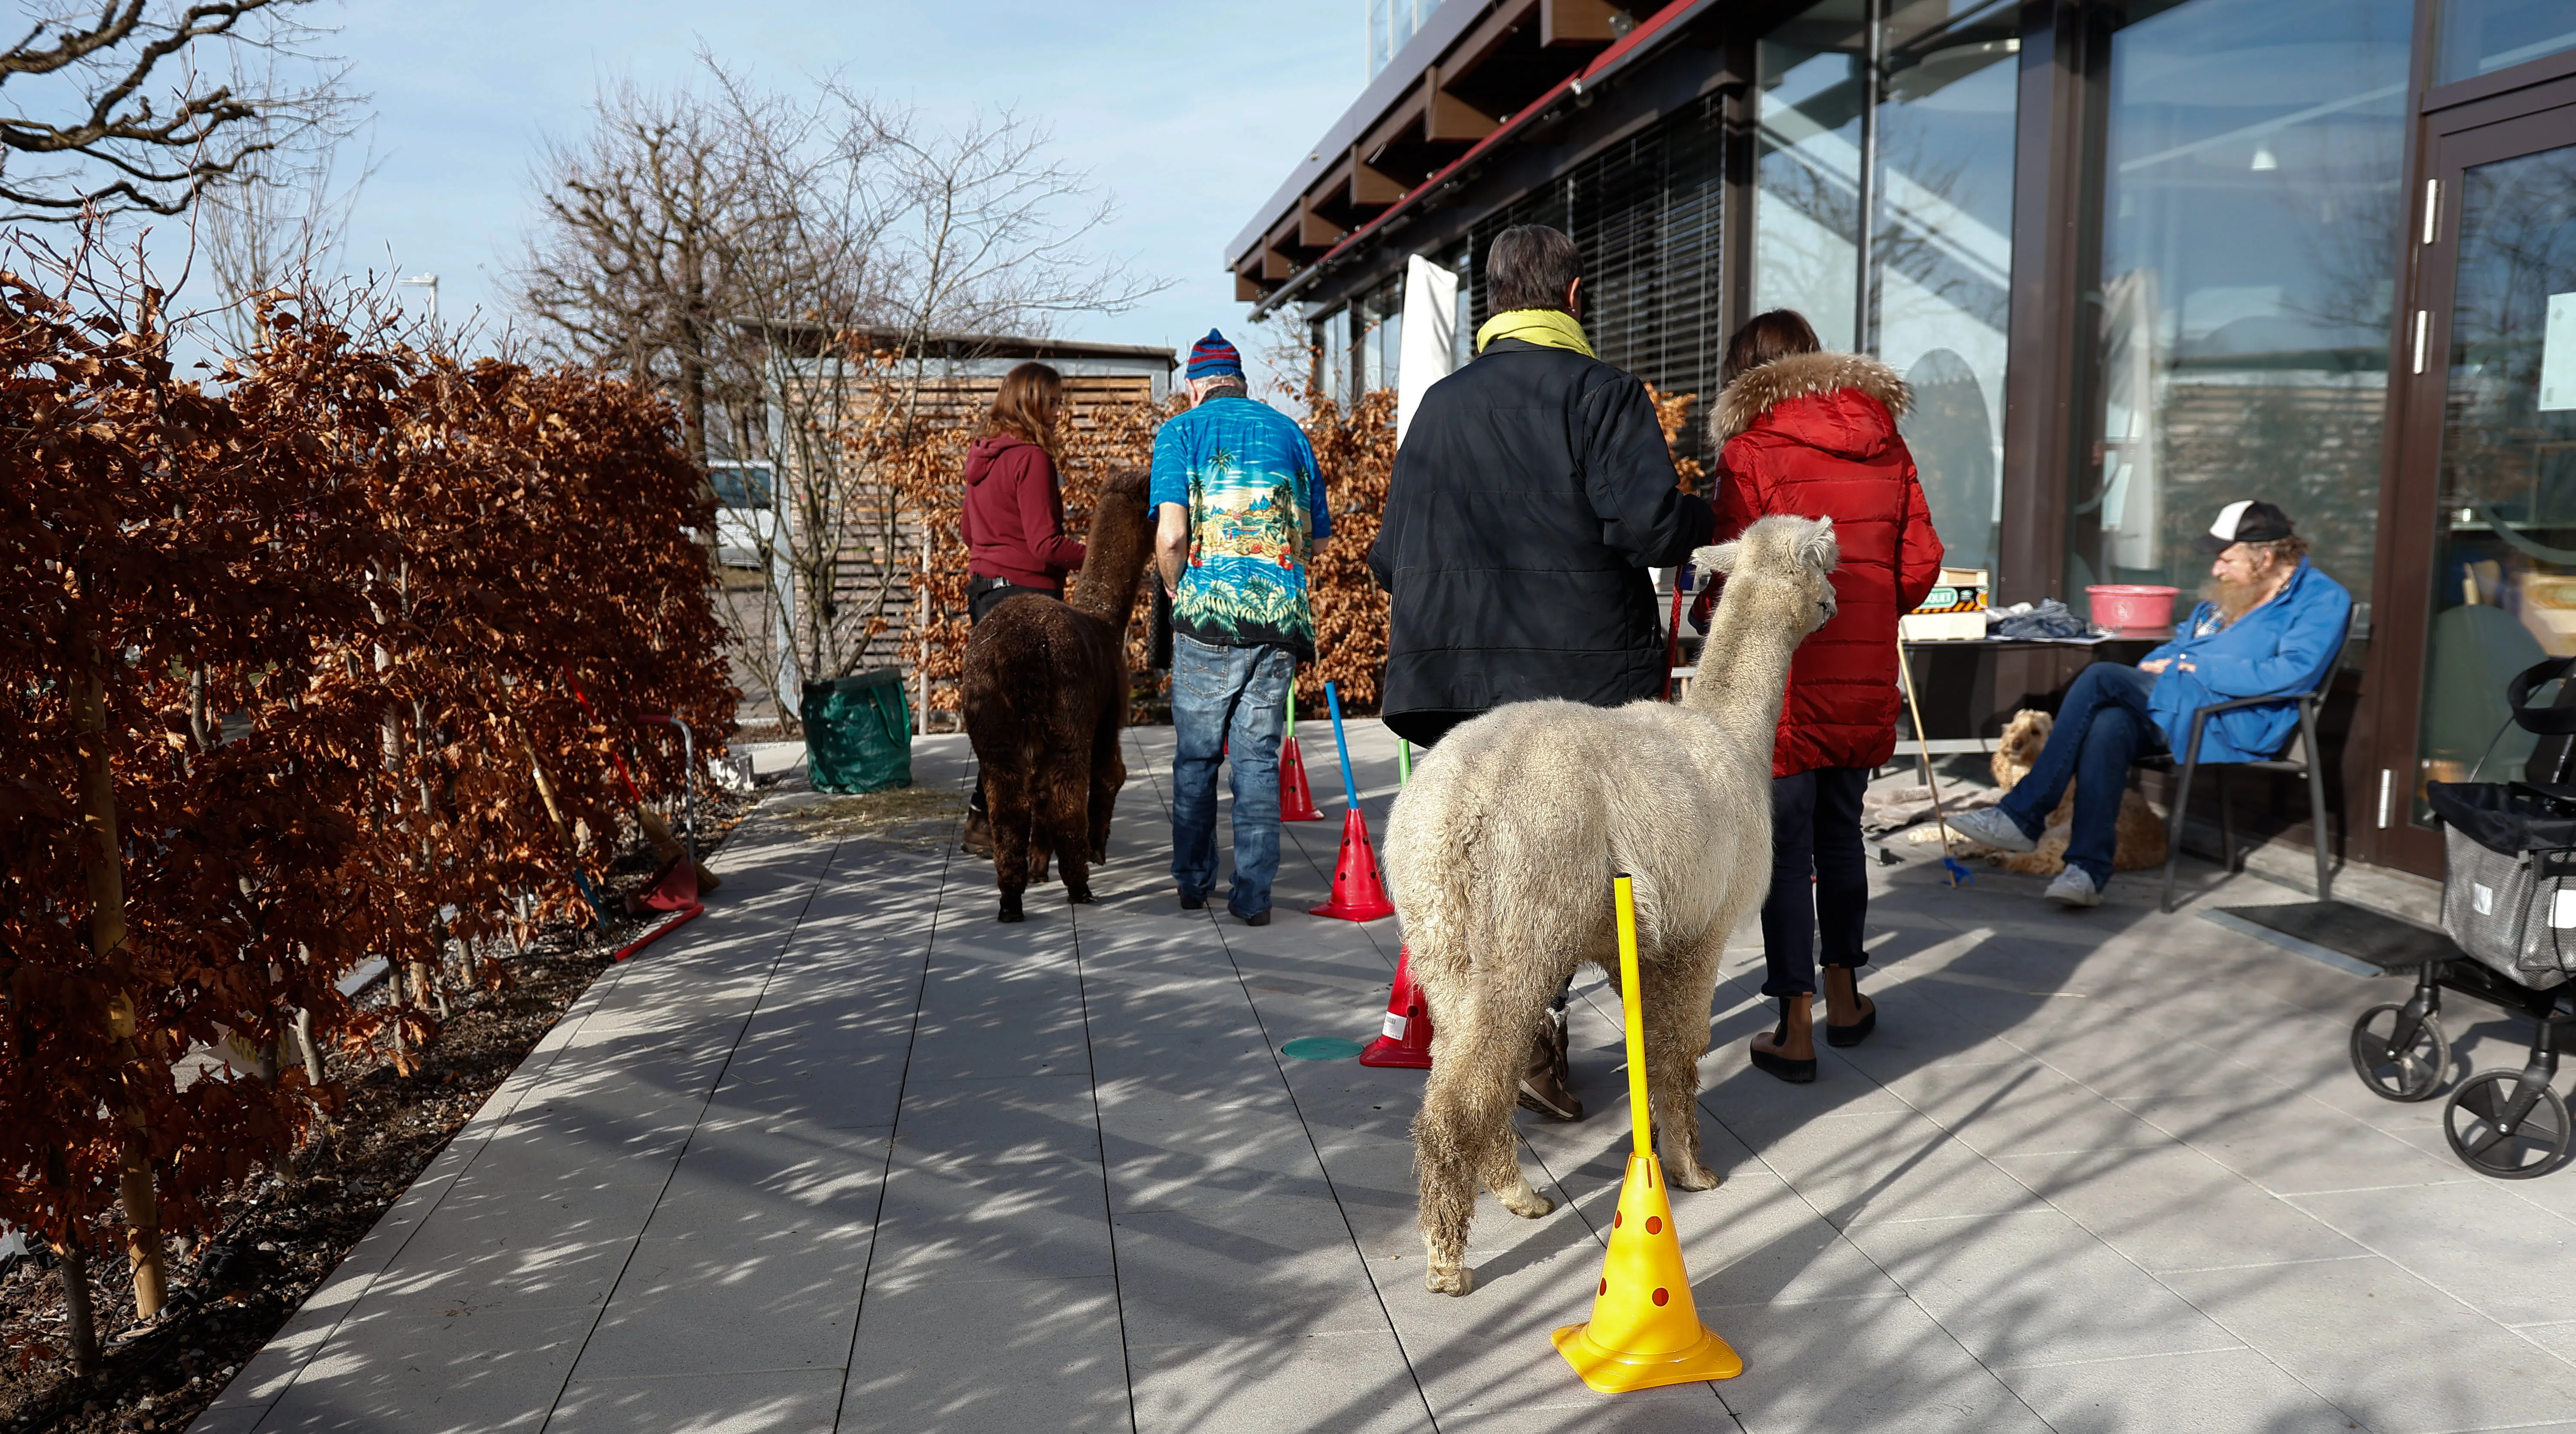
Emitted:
pixel 858 733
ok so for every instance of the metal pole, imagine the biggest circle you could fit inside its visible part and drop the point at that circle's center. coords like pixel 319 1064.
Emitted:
pixel 1874 55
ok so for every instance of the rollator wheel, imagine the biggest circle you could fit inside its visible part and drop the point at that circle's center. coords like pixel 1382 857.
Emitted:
pixel 2474 1121
pixel 2412 1073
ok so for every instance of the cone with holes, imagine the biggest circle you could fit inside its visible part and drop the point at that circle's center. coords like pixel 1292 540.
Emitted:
pixel 1359 893
pixel 1645 1331
pixel 1296 799
pixel 1406 1041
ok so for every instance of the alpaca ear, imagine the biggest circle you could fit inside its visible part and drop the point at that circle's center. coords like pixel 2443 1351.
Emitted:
pixel 1719 558
pixel 1817 547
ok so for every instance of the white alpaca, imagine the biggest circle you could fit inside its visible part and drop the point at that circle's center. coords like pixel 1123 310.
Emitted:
pixel 1499 856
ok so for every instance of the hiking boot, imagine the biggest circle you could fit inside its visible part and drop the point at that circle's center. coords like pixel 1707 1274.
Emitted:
pixel 2074 887
pixel 1992 826
pixel 978 840
pixel 1546 1085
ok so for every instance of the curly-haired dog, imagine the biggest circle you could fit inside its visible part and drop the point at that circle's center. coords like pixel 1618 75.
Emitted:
pixel 2141 842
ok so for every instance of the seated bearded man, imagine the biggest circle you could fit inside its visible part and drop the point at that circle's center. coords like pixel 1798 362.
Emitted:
pixel 2267 625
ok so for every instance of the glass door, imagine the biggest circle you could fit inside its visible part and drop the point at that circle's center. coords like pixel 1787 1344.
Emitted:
pixel 2489 453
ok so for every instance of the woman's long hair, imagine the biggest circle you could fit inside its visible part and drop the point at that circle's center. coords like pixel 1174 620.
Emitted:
pixel 1765 337
pixel 1027 405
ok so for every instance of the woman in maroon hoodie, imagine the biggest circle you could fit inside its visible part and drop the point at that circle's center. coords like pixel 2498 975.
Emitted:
pixel 1014 518
pixel 1813 434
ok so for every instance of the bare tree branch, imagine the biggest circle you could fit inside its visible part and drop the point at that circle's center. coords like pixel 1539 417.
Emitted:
pixel 82 131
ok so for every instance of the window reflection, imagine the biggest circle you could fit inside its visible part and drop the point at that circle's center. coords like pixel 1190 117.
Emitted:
pixel 2504 579
pixel 1941 236
pixel 2480 36
pixel 2251 205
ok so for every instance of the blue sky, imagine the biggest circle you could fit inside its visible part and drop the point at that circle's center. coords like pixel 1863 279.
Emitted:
pixel 1189 114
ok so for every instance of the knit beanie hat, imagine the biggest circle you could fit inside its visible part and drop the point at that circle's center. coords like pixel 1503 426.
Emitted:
pixel 1212 355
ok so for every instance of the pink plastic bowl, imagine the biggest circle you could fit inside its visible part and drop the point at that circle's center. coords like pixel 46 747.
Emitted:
pixel 2131 607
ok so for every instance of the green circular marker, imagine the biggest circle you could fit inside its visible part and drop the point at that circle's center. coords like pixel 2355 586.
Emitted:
pixel 1321 1048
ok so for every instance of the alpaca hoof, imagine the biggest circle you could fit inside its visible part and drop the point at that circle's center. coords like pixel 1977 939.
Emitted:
pixel 1449 1280
pixel 1078 898
pixel 1010 910
pixel 1528 1204
pixel 1694 1176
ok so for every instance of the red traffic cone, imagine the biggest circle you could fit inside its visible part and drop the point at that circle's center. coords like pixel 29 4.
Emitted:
pixel 1358 893
pixel 1296 799
pixel 1407 1042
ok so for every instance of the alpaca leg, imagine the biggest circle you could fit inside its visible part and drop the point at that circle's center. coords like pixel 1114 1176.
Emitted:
pixel 1006 793
pixel 1108 774
pixel 1676 995
pixel 1068 793
pixel 1466 1111
pixel 1501 1173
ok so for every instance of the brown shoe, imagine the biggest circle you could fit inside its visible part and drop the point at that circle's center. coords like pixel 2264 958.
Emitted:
pixel 979 836
pixel 1546 1085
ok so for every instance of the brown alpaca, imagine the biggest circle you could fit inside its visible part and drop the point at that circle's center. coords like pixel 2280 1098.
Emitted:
pixel 2141 839
pixel 1046 693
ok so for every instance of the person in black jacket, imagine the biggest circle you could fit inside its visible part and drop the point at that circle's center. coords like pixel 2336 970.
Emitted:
pixel 1529 497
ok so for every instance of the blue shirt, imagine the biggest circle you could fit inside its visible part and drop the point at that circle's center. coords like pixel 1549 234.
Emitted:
pixel 2279 648
pixel 1256 503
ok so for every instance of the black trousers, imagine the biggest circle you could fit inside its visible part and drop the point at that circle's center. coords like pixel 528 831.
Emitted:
pixel 1819 877
pixel 984 594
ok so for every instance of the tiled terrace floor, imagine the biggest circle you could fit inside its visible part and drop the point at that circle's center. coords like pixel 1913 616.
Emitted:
pixel 846 1155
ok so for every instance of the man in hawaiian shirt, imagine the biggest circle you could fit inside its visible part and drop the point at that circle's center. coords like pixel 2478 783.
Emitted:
pixel 1241 511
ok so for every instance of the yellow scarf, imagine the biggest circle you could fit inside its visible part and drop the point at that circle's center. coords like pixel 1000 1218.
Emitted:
pixel 1552 327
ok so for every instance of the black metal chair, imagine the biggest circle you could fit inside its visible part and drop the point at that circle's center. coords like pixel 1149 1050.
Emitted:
pixel 2300 756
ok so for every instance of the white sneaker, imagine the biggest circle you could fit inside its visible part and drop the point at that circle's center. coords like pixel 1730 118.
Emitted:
pixel 1988 826
pixel 2074 887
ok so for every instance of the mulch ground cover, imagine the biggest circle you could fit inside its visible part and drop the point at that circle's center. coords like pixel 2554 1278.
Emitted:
pixel 286 1231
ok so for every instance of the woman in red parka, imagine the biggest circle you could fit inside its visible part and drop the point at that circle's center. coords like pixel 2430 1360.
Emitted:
pixel 1013 521
pixel 1812 433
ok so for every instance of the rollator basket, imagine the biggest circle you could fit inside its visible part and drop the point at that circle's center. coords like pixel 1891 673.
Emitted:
pixel 2509 885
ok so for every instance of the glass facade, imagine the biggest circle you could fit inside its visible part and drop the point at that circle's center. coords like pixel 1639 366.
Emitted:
pixel 2479 37
pixel 2317 252
pixel 2504 574
pixel 1390 24
pixel 2251 157
pixel 1933 165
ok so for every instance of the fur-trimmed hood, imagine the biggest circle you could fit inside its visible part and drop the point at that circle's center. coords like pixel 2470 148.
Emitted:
pixel 1856 402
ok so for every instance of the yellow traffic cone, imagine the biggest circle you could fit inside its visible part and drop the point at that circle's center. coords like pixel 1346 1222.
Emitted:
pixel 1645 1330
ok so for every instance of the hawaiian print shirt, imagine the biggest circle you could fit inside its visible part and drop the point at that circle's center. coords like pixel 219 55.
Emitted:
pixel 1256 503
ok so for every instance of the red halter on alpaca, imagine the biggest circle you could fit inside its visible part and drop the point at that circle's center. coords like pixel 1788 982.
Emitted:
pixel 1046 694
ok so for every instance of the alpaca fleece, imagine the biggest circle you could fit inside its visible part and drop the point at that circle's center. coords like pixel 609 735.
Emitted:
pixel 1046 694
pixel 1499 857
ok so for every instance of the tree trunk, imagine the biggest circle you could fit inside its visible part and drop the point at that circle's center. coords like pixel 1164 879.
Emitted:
pixel 76 1306
pixel 305 1047
pixel 107 933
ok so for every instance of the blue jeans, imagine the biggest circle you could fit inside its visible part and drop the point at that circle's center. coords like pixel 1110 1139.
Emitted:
pixel 2101 728
pixel 1227 705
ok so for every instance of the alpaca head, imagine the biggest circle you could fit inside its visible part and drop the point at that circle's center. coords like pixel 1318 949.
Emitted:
pixel 1779 574
pixel 1120 543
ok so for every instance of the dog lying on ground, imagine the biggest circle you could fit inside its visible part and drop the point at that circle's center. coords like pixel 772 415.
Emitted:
pixel 2141 833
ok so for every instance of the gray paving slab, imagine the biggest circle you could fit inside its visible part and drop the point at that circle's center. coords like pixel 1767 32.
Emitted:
pixel 847 1154
pixel 2379 1342
pixel 989 1357
pixel 1352 1383
pixel 773 1401
pixel 2222 1389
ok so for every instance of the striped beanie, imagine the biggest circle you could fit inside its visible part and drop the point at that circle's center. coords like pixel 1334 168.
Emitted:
pixel 1212 355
